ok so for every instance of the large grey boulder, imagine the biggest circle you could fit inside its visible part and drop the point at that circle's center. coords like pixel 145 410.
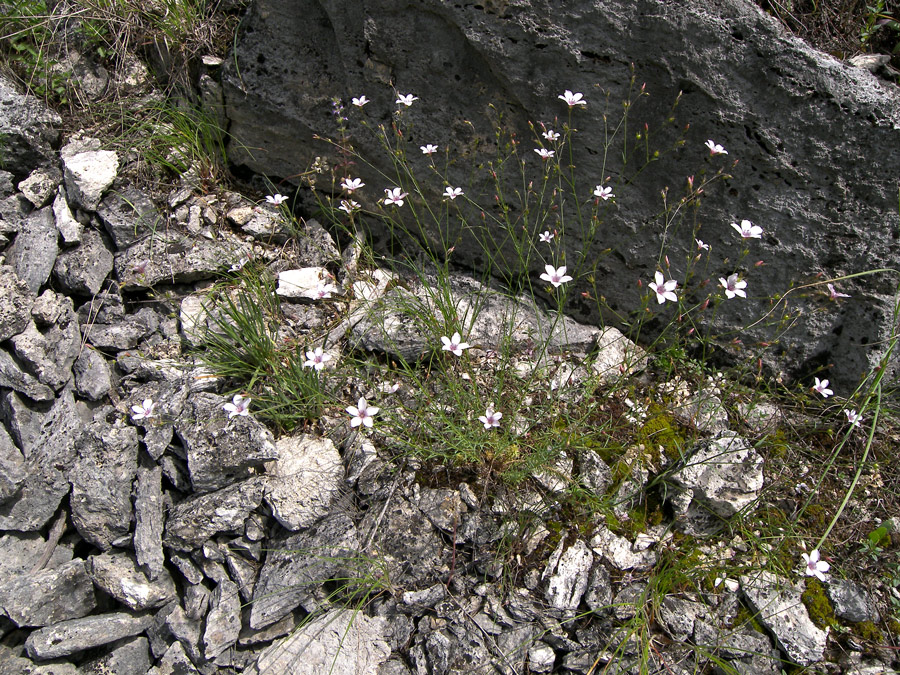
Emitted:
pixel 809 134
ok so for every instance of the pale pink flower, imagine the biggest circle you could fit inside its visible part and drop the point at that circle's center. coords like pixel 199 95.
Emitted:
pixel 276 199
pixel 362 414
pixel 546 236
pixel 665 290
pixel 701 245
pixel 572 99
pixel 833 294
pixel 544 153
pixel 604 193
pixel 359 102
pixel 316 359
pixel 853 417
pixel 815 566
pixel 239 406
pixel 821 387
pixel 351 184
pixel 715 148
pixel 349 205
pixel 733 286
pixel 454 344
pixel 748 230
pixel 550 135
pixel 556 276
pixel 452 192
pixel 407 100
pixel 490 419
pixel 394 196
pixel 144 411
pixel 428 149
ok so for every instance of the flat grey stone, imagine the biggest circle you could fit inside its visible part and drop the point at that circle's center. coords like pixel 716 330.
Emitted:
pixel 45 484
pixel 187 631
pixel 118 575
pixel 41 185
pixel 221 450
pixel 12 467
pixel 11 663
pixel 124 334
pixel 851 602
pixel 167 258
pixel 340 642
pixel 34 251
pixel 29 130
pixel 69 228
pixel 130 657
pixel 83 268
pixel 104 468
pixel 566 575
pixel 77 635
pixel 723 474
pixel 88 171
pixel 13 377
pixel 408 545
pixel 16 300
pixel 106 307
pixel 304 481
pixel 777 606
pixel 48 596
pixel 198 518
pixel 149 522
pixel 223 623
pixel 49 353
pixel 599 593
pixel 92 376
pixel 22 418
pixel 129 216
pixel 174 661
pixel 297 566
pixel 20 550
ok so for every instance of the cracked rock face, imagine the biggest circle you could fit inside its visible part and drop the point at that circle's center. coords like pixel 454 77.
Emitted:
pixel 774 103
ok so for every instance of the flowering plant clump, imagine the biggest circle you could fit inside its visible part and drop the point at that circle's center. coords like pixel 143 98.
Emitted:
pixel 715 148
pixel 665 290
pixel 571 99
pixel 748 230
pixel 491 418
pixel 454 344
pixel 605 193
pixel 815 566
pixel 144 411
pixel 239 407
pixel 394 196
pixel 733 286
pixel 853 417
pixel 362 414
pixel 833 294
pixel 452 192
pixel 316 359
pixel 556 275
pixel 351 184
pixel 821 387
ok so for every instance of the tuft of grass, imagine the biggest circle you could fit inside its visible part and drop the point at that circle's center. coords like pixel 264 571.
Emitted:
pixel 242 345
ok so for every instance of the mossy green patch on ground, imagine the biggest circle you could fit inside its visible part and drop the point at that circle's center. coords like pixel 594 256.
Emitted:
pixel 818 605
